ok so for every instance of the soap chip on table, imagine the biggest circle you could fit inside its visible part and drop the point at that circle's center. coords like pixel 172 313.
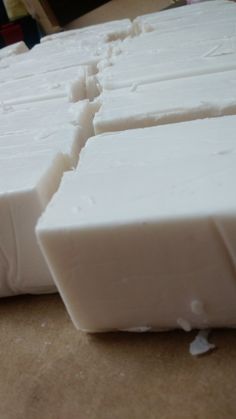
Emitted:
pixel 200 344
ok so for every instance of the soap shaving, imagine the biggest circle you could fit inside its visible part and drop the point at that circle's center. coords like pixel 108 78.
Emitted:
pixel 200 344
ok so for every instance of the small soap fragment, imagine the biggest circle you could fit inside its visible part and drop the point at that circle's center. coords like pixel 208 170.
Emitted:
pixel 200 344
pixel 197 307
pixel 184 324
pixel 140 255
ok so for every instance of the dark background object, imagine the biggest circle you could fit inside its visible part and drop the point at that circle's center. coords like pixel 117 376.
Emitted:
pixel 22 29
pixel 65 10
pixel 3 15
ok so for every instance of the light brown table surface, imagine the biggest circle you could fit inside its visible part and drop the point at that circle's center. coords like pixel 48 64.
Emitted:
pixel 49 370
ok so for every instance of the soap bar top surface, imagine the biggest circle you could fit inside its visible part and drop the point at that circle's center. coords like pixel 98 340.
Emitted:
pixel 179 170
pixel 196 9
pixel 166 102
pixel 159 62
pixel 185 16
pixel 61 83
pixel 36 116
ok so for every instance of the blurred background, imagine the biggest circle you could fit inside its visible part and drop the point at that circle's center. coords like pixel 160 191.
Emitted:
pixel 28 20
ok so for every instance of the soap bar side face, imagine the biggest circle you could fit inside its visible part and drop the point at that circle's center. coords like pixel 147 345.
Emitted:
pixel 145 274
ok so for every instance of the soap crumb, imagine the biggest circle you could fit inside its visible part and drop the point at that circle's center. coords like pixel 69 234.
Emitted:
pixel 184 324
pixel 200 344
pixel 197 307
pixel 43 324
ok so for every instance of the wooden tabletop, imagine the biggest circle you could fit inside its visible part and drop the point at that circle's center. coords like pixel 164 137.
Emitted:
pixel 50 370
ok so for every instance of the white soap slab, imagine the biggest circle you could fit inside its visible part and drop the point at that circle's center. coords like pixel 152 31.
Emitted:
pixel 41 115
pixel 182 16
pixel 196 9
pixel 149 231
pixel 27 180
pixel 72 44
pixel 167 102
pixel 201 52
pixel 41 63
pixel 68 83
pixel 69 48
pixel 175 39
pixel 99 155
pixel 115 29
pixel 31 166
pixel 14 49
pixel 130 70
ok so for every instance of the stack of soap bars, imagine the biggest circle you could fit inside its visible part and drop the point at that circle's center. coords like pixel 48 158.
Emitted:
pixel 117 170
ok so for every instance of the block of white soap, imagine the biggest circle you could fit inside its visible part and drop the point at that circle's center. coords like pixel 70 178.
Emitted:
pixel 167 102
pixel 72 44
pixel 68 83
pixel 116 29
pixel 133 70
pixel 41 63
pixel 196 9
pixel 149 237
pixel 184 16
pixel 14 49
pixel 38 115
pixel 31 166
pixel 148 47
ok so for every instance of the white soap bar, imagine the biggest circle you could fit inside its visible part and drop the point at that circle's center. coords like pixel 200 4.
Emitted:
pixel 14 49
pixel 72 44
pixel 132 70
pixel 149 48
pixel 28 179
pixel 68 83
pixel 167 102
pixel 32 162
pixel 38 115
pixel 149 237
pixel 196 9
pixel 184 16
pixel 36 64
pixel 153 57
pixel 115 29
